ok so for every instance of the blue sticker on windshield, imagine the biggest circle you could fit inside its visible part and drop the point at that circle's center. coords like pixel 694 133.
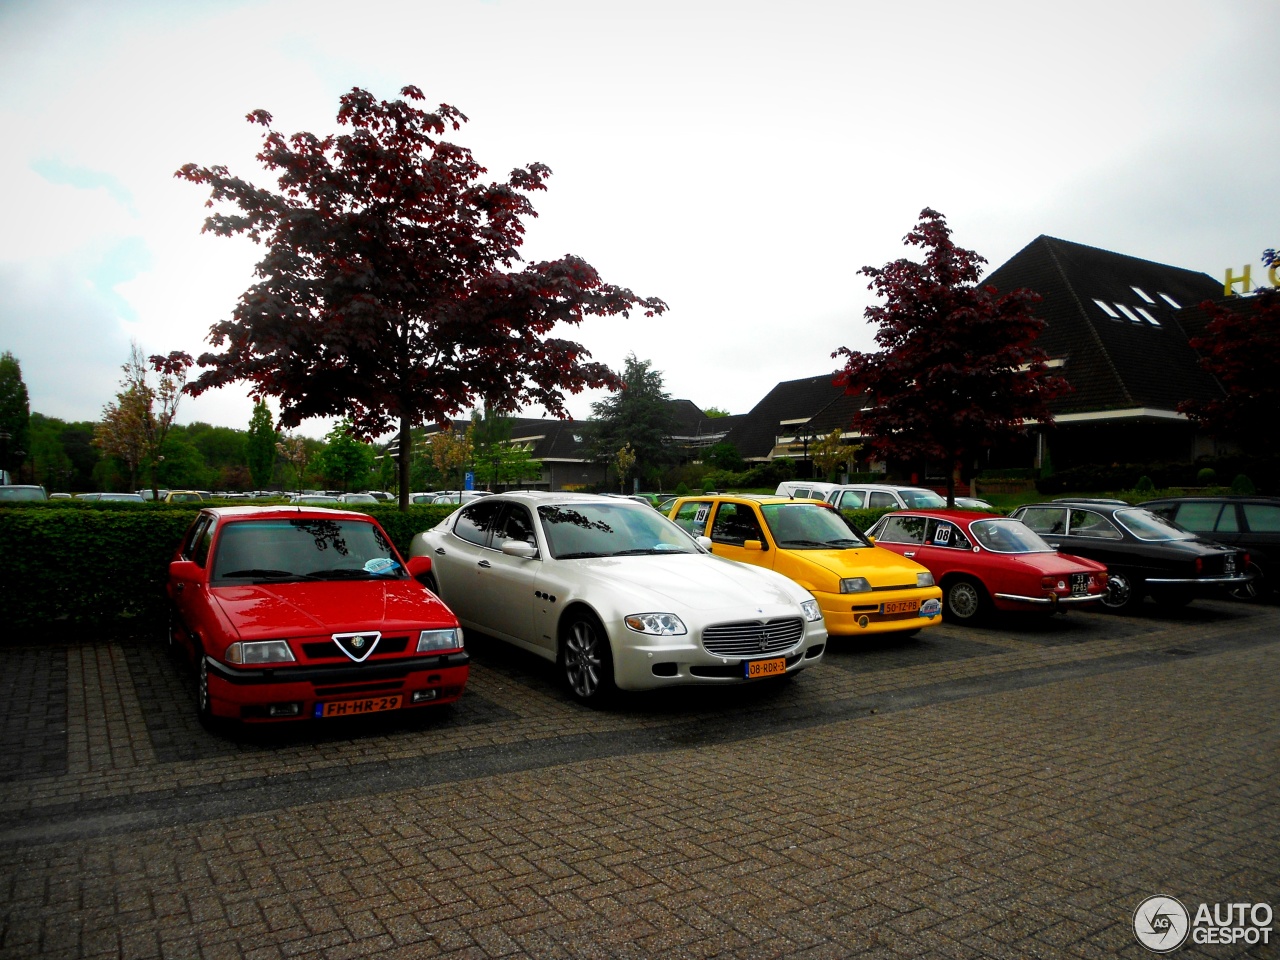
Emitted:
pixel 380 565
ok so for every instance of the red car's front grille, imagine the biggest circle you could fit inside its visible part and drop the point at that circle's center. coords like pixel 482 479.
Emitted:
pixel 328 650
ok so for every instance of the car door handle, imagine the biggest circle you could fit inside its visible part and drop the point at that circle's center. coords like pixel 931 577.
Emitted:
pixel 439 551
pixel 1052 544
pixel 908 553
pixel 484 563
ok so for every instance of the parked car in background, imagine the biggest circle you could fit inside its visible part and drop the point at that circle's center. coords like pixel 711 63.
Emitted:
pixel 616 595
pixel 805 489
pixel 984 563
pixel 118 497
pixel 314 499
pixel 861 588
pixel 1251 524
pixel 13 492
pixel 1145 554
pixel 358 498
pixel 974 503
pixel 879 496
pixel 290 613
pixel 183 496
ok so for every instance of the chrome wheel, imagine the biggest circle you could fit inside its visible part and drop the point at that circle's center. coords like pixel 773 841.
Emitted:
pixel 965 601
pixel 1119 593
pixel 1255 589
pixel 204 706
pixel 585 660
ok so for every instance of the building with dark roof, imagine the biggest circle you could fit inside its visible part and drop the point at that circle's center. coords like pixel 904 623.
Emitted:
pixel 1117 330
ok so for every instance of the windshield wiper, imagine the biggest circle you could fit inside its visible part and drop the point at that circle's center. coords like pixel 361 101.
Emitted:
pixel 584 555
pixel 262 574
pixel 844 540
pixel 346 573
pixel 819 544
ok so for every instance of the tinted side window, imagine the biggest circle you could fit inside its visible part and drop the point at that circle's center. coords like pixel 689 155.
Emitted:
pixel 201 537
pixel 877 499
pixel 1200 517
pixel 736 523
pixel 1050 520
pixel 944 534
pixel 1262 517
pixel 1086 523
pixel 477 521
pixel 516 524
pixel 850 500
pixel 692 516
pixel 903 529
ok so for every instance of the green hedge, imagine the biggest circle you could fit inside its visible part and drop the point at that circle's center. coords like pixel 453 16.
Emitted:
pixel 102 566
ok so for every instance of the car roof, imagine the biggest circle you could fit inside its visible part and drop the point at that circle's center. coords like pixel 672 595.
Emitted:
pixel 942 514
pixel 282 511
pixel 1216 498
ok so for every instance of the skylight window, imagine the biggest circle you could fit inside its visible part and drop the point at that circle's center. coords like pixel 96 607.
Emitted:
pixel 1106 308
pixel 1128 313
pixel 1142 293
pixel 1147 314
pixel 1170 301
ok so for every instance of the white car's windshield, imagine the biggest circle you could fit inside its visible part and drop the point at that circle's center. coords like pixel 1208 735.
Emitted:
pixel 807 526
pixel 311 548
pixel 1008 536
pixel 579 530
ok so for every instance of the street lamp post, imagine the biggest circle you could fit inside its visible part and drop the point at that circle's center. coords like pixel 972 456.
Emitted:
pixel 5 437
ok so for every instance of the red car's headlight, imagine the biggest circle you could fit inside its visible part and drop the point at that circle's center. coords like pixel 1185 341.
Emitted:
pixel 431 641
pixel 262 651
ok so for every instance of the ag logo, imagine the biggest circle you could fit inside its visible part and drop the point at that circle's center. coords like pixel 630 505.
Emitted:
pixel 1161 924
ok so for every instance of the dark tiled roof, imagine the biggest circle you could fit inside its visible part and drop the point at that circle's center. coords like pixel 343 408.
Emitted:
pixel 1113 363
pixel 756 433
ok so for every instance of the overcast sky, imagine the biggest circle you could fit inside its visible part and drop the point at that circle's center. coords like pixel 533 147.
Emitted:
pixel 741 160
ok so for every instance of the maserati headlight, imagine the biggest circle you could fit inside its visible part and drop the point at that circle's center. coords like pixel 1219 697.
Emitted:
pixel 855 585
pixel 262 651
pixel 656 624
pixel 924 579
pixel 429 641
pixel 812 612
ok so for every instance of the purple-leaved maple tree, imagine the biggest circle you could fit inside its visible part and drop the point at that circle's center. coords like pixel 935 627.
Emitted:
pixel 958 369
pixel 392 291
pixel 1239 347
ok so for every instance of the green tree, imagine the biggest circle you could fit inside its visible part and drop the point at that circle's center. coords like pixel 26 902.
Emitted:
pixel 724 456
pixel 639 416
pixel 346 462
pixel 15 412
pixel 134 428
pixel 715 413
pixel 260 448
pixel 829 452
pixel 50 464
pixel 392 290
pixel 448 452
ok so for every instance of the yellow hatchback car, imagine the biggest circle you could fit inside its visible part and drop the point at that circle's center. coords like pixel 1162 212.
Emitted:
pixel 860 587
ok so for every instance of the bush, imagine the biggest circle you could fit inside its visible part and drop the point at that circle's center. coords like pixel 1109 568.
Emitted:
pixel 1144 485
pixel 1206 476
pixel 103 566
pixel 1242 486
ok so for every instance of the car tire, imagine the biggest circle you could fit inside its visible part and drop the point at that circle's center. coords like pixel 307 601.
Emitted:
pixel 1255 590
pixel 1122 594
pixel 585 659
pixel 964 600
pixel 204 705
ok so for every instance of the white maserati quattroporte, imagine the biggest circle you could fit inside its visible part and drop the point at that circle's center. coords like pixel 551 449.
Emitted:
pixel 616 594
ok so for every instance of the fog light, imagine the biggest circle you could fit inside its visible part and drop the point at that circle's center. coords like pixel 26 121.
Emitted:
pixel 421 696
pixel 863 621
pixel 284 710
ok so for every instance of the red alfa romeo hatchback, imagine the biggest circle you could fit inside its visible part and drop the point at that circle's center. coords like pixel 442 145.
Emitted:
pixel 299 612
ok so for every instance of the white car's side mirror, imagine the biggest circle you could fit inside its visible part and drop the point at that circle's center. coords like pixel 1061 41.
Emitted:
pixel 518 548
pixel 704 543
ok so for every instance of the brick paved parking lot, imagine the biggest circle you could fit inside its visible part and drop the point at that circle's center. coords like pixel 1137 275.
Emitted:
pixel 1010 791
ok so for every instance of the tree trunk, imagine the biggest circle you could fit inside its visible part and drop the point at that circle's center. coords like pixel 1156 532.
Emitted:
pixel 406 447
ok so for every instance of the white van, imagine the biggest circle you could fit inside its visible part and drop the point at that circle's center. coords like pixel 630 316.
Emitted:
pixel 805 489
